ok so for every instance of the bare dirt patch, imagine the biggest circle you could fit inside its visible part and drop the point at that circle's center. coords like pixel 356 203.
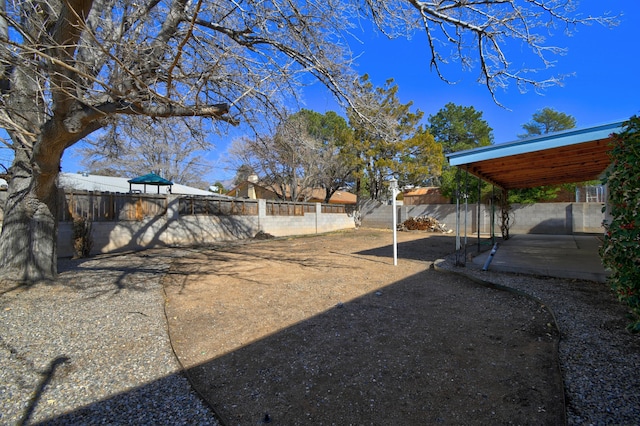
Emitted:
pixel 326 330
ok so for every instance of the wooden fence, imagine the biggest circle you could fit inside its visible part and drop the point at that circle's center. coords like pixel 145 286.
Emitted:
pixel 211 206
pixel 287 208
pixel 111 206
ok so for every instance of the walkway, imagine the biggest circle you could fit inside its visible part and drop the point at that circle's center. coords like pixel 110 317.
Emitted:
pixel 561 256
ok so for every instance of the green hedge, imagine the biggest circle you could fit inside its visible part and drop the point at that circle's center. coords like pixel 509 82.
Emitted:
pixel 621 249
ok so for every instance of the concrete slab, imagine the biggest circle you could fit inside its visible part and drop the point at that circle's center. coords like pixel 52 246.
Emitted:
pixel 561 256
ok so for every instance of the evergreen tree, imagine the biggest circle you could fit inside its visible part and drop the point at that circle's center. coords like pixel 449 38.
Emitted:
pixel 389 141
pixel 459 128
pixel 547 120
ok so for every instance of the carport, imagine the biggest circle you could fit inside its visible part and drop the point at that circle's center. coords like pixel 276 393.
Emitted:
pixel 564 157
pixel 570 156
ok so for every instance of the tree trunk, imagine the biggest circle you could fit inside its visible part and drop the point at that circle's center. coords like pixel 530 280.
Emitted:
pixel 29 234
pixel 327 195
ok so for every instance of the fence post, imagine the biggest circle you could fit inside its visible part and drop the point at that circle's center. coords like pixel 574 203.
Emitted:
pixel 173 207
pixel 318 214
pixel 262 213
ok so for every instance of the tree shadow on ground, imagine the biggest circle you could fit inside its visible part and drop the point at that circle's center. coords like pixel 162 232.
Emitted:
pixel 428 349
pixel 326 331
pixel 428 248
pixel 401 355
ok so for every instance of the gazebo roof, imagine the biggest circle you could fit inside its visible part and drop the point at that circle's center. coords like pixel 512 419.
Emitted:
pixel 151 179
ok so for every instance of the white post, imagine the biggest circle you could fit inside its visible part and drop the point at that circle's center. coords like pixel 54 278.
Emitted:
pixel 393 185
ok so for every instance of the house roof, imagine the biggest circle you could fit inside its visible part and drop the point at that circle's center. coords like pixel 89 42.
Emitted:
pixel 575 155
pixel 316 195
pixel 421 191
pixel 87 182
pixel 338 197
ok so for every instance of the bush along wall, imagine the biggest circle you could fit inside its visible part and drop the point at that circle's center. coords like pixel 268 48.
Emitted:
pixel 621 249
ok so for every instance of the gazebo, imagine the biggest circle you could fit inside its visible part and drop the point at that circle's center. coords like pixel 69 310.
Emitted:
pixel 150 179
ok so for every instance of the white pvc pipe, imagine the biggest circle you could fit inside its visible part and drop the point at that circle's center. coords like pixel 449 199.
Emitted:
pixel 393 186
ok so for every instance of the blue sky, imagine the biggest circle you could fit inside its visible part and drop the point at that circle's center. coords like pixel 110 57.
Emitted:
pixel 605 86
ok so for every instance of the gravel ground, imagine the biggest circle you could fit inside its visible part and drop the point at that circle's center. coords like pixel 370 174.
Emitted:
pixel 93 348
pixel 599 359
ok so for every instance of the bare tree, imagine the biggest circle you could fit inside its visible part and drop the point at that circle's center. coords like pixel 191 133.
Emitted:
pixel 479 33
pixel 70 67
pixel 172 149
pixel 283 160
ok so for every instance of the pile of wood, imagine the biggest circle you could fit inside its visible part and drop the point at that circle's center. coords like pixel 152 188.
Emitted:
pixel 423 223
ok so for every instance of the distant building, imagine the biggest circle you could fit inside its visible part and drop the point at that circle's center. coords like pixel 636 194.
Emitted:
pixel 428 195
pixel 255 190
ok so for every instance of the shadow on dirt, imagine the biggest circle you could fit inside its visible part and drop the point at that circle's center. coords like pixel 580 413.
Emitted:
pixel 426 350
pixel 424 249
pixel 421 347
pixel 328 331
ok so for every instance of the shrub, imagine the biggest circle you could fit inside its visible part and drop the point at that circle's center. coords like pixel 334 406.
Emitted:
pixel 621 249
pixel 82 240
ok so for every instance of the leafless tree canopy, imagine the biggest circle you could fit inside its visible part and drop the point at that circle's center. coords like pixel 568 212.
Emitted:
pixel 284 160
pixel 173 148
pixel 80 60
pixel 480 34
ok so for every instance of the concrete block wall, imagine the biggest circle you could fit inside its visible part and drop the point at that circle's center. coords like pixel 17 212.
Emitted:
pixel 542 218
pixel 545 218
pixel 282 226
pixel 378 215
pixel 175 230
pixel 557 218
pixel 329 222
pixel 446 215
pixel 588 217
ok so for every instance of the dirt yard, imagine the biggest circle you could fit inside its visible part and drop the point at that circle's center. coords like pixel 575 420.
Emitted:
pixel 326 330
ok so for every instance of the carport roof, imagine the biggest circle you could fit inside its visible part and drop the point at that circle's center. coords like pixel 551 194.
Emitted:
pixel 575 155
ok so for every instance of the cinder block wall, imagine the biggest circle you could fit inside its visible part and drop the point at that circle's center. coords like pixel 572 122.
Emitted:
pixel 547 218
pixel 588 217
pixel 174 230
pixel 281 226
pixel 542 218
pixel 310 223
pixel 557 218
pixel 377 215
